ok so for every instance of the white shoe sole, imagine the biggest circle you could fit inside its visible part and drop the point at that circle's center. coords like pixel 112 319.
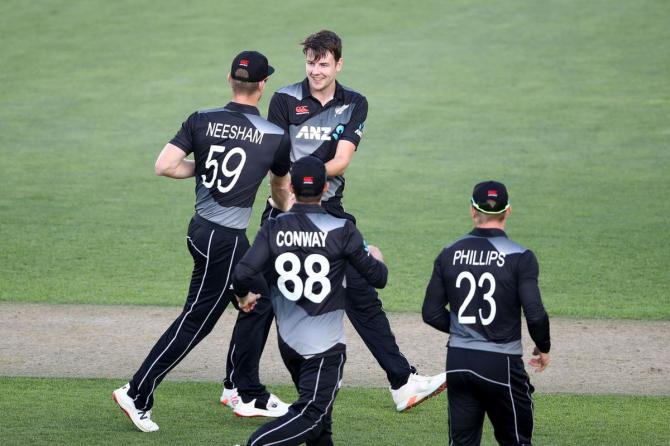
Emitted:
pixel 127 412
pixel 421 397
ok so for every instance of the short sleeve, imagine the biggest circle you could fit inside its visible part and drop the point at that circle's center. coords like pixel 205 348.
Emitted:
pixel 354 129
pixel 184 137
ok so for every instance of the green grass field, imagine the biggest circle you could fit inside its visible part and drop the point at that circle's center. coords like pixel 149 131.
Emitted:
pixel 81 412
pixel 566 102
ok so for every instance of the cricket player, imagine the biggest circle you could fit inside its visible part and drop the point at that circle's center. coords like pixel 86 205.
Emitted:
pixel 233 150
pixel 307 251
pixel 324 119
pixel 479 286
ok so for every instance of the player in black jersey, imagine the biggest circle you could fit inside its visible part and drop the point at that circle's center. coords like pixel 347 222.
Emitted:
pixel 486 279
pixel 307 251
pixel 233 149
pixel 325 119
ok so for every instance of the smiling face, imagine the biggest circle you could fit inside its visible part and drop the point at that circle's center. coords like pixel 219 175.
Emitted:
pixel 321 72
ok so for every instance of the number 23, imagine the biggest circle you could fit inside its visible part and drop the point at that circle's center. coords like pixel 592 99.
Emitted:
pixel 486 277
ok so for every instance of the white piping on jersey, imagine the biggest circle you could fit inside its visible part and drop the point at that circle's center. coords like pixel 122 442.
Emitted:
pixel 316 387
pixel 511 397
pixel 195 247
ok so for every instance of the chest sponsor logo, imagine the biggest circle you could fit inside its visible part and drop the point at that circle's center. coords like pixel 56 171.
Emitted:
pixel 301 110
pixel 339 110
pixel 314 132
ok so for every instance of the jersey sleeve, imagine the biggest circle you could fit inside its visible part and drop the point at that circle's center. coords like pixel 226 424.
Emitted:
pixel 434 311
pixel 184 137
pixel 253 262
pixel 282 161
pixel 374 271
pixel 531 301
pixel 278 112
pixel 353 131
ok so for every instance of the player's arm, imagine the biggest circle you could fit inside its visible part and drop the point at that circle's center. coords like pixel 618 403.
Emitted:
pixel 349 139
pixel 252 263
pixel 172 163
pixel 281 196
pixel 368 263
pixel 537 319
pixel 434 311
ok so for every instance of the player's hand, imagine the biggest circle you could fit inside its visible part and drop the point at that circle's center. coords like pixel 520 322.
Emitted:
pixel 540 360
pixel 375 252
pixel 248 302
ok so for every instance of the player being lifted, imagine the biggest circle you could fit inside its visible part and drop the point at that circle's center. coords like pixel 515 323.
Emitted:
pixel 326 120
pixel 307 251
pixel 485 279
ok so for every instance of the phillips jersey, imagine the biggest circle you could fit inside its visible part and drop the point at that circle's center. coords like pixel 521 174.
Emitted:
pixel 305 253
pixel 233 148
pixel 486 279
pixel 315 129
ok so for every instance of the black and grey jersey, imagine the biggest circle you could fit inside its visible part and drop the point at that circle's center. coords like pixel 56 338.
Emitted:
pixel 315 129
pixel 486 279
pixel 304 253
pixel 233 148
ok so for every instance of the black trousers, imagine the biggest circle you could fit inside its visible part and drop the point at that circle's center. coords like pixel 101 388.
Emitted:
pixel 365 311
pixel 215 251
pixel 309 419
pixel 488 383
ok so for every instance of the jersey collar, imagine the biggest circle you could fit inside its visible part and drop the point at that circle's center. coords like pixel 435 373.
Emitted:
pixel 242 108
pixel 488 232
pixel 307 208
pixel 339 90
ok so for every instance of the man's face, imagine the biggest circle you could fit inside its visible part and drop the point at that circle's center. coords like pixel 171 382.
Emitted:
pixel 321 73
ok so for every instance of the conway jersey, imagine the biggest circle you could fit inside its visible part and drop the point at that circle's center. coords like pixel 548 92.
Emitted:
pixel 305 253
pixel 315 129
pixel 486 279
pixel 233 148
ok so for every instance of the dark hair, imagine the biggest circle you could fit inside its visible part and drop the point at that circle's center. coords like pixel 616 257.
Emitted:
pixel 322 43
pixel 240 87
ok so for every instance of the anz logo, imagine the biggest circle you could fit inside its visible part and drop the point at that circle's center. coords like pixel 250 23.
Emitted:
pixel 320 133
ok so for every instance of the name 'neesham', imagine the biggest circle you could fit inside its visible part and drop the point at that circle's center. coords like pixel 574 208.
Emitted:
pixel 232 131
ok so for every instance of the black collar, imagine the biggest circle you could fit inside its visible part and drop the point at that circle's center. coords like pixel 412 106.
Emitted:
pixel 242 108
pixel 339 90
pixel 304 208
pixel 488 232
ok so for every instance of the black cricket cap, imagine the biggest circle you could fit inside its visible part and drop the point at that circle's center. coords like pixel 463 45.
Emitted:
pixel 255 65
pixel 490 197
pixel 308 176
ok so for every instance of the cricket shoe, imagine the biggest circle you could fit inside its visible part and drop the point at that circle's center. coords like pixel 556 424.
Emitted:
pixel 140 418
pixel 254 408
pixel 417 390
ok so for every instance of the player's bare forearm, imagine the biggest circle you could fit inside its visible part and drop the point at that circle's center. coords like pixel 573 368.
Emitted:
pixel 171 163
pixel 280 191
pixel 338 165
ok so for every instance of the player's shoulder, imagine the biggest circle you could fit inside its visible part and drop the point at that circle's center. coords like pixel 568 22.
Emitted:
pixel 294 91
pixel 507 246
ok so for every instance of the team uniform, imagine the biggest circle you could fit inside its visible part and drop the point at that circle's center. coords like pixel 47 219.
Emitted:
pixel 486 279
pixel 307 252
pixel 233 149
pixel 315 130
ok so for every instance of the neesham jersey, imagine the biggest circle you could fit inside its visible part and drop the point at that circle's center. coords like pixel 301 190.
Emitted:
pixel 486 279
pixel 315 129
pixel 233 148
pixel 304 252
